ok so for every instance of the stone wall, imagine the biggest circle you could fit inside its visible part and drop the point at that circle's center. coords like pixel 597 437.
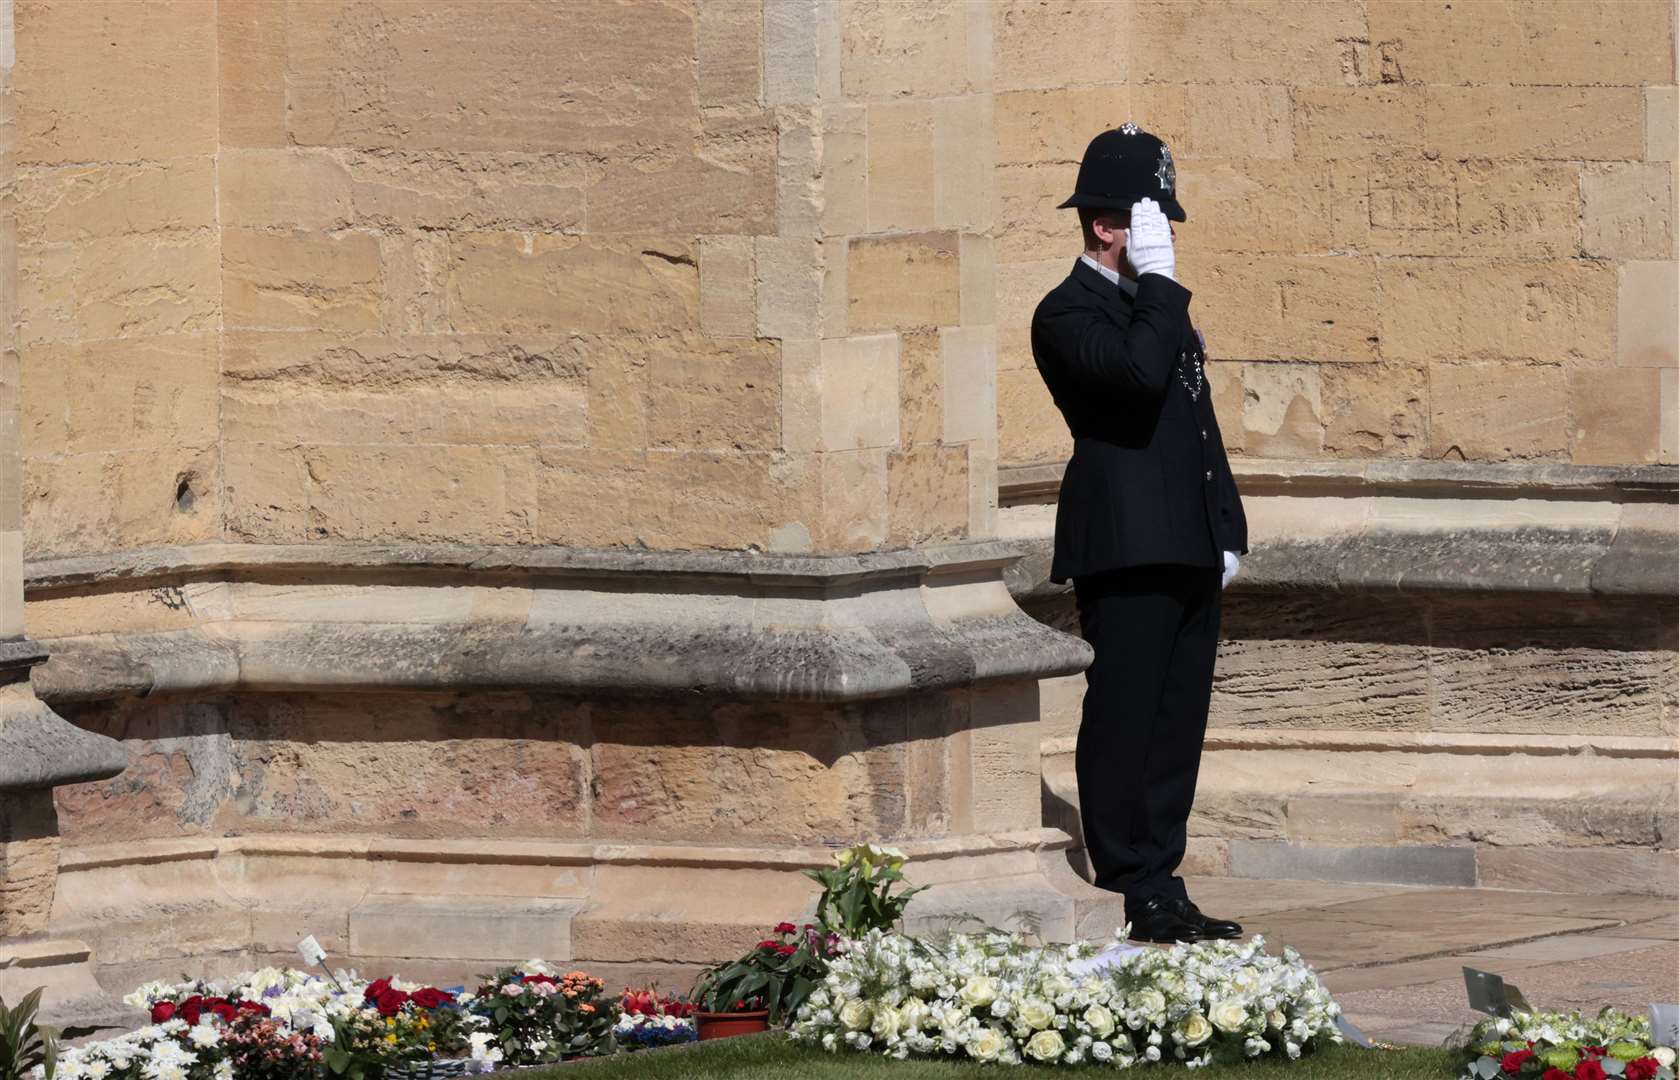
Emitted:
pixel 1416 230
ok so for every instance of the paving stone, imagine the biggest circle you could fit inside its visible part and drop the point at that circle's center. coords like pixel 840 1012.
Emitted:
pixel 1554 950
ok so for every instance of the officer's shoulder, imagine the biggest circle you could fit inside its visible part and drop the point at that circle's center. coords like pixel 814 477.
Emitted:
pixel 1068 295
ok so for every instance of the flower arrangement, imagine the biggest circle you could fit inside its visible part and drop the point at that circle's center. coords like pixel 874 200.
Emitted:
pixel 648 1019
pixel 300 1000
pixel 251 1046
pixel 857 892
pixel 775 975
pixel 1558 1046
pixel 535 1017
pixel 993 997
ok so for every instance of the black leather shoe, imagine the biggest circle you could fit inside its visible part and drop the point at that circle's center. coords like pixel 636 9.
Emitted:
pixel 1155 921
pixel 1209 929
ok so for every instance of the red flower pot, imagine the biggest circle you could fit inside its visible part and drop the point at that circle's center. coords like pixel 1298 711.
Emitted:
pixel 723 1025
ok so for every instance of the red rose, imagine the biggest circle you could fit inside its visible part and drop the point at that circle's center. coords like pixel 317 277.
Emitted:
pixel 768 944
pixel 548 979
pixel 786 950
pixel 1554 1074
pixel 375 989
pixel 1514 1061
pixel 1594 1051
pixel 431 997
pixel 256 1007
pixel 391 1002
pixel 224 1011
pixel 1589 1069
pixel 163 1010
pixel 1642 1068
pixel 191 1009
pixel 786 928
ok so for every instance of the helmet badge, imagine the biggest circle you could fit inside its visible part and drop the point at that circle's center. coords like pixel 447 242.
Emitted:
pixel 1166 173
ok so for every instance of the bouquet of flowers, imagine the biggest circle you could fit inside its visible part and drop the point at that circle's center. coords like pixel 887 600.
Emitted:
pixel 250 1046
pixel 534 1017
pixel 777 974
pixel 648 1019
pixel 297 999
pixel 993 997
pixel 1557 1046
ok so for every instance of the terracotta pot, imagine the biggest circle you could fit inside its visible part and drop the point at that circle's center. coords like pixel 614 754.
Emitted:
pixel 723 1025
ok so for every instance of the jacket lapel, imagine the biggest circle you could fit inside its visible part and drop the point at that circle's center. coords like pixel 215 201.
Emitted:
pixel 1112 296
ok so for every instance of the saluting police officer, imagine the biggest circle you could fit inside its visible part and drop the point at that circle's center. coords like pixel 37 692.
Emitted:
pixel 1148 528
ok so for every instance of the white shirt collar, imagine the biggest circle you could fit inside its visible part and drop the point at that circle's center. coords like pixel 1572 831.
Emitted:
pixel 1114 276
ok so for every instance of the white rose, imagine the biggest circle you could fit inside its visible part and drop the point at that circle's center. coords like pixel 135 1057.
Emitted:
pixel 914 1015
pixel 1195 1029
pixel 986 1044
pixel 1058 986
pixel 1228 1016
pixel 1099 1020
pixel 1037 1013
pixel 1664 1055
pixel 885 1024
pixel 855 1015
pixel 1149 1002
pixel 1152 1053
pixel 978 991
pixel 1102 1052
pixel 1276 1019
pixel 1046 1045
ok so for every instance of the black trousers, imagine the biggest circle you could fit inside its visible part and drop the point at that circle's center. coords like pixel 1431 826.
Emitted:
pixel 1155 632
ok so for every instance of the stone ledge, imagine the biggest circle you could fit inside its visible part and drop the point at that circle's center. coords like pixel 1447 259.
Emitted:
pixel 839 629
pixel 1480 745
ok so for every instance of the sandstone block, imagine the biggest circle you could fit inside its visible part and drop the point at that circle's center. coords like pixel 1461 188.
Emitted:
pixel 120 394
pixel 426 494
pixel 922 379
pixel 801 395
pixel 902 282
pixel 1520 208
pixel 1491 413
pixel 969 384
pixel 415 298
pixel 1277 41
pixel 901 166
pixel 151 92
pixel 1028 227
pixel 1042 46
pixel 507 283
pixel 854 500
pixel 266 503
pixel 701 397
pixel 1253 205
pixel 892 50
pixel 391 75
pixel 1224 382
pixel 1661 123
pixel 728 53
pixel 300 280
pixel 800 182
pixel 1557 42
pixel 724 184
pixel 1324 307
pixel 315 388
pixel 1037 127
pixel 46 293
pixel 1374 411
pixel 1360 121
pixel 1629 210
pixel 168 495
pixel 1647 315
pixel 845 170
pixel 28 862
pixel 283 189
pixel 979 281
pixel 133 285
pixel 462 927
pixel 982 489
pixel 801 52
pixel 1594 123
pixel 85 202
pixel 1244 120
pixel 1536 311
pixel 251 55
pixel 728 307
pixel 1029 427
pixel 475 192
pixel 1616 414
pixel 1282 410
pixel 1670 456
pixel 860 392
pixel 584 497
pixel 962 163
pixel 789 287
pixel 927 495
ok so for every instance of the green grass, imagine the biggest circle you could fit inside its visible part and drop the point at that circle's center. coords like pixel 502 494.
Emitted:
pixel 772 1057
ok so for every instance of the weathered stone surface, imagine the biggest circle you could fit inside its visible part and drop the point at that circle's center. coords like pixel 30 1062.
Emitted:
pixel 1274 41
pixel 1326 307
pixel 163 495
pixel 1647 313
pixel 1617 414
pixel 69 204
pixel 903 282
pixel 1282 410
pixel 1629 210
pixel 1493 413
pixel 901 167
pixel 1373 411
pixel 896 50
pixel 1039 45
pixel 1542 122
pixel 509 283
pixel 120 394
pixel 927 494
pixel 1565 313
pixel 300 280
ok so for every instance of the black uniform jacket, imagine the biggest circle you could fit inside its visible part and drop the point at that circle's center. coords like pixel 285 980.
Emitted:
pixel 1148 482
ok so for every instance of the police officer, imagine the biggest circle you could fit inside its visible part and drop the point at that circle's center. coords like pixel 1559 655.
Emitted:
pixel 1148 528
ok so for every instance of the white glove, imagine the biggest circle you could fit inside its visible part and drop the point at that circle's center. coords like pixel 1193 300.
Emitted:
pixel 1148 246
pixel 1231 565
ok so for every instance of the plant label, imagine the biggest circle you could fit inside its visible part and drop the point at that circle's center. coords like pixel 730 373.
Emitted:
pixel 1486 992
pixel 311 951
pixel 1664 1025
pixel 1350 1032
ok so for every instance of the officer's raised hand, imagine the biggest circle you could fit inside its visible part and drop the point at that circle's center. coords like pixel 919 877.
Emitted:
pixel 1148 247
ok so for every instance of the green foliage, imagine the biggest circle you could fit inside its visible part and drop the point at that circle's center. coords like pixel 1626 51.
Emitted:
pixel 24 1045
pixel 777 975
pixel 857 893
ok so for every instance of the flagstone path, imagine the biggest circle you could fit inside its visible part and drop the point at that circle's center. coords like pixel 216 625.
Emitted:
pixel 1393 956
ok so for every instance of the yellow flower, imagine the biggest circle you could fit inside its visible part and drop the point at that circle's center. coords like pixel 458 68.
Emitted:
pixel 391 1038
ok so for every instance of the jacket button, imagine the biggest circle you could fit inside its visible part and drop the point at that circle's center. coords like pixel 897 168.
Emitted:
pixel 1203 434
pixel 1209 474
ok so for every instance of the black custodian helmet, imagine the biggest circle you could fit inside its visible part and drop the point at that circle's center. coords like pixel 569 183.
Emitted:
pixel 1122 166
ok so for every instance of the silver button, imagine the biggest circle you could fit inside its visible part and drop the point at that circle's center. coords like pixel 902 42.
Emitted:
pixel 1209 474
pixel 1203 434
